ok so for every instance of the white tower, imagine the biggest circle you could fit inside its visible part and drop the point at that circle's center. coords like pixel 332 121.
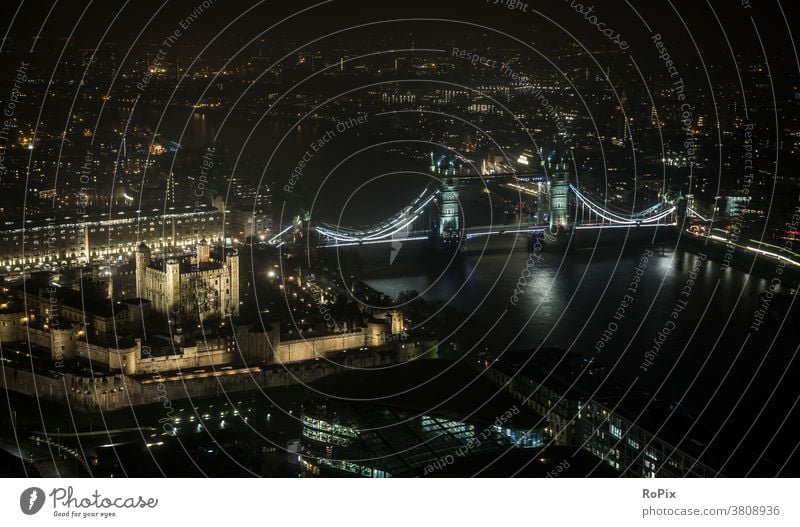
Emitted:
pixel 142 263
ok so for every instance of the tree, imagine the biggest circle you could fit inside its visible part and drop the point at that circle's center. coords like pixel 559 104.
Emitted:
pixel 200 301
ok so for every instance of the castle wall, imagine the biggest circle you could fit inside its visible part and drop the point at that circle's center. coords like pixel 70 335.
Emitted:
pixel 257 345
pixel 312 348
pixel 62 343
pixel 10 326
pixel 37 337
pixel 118 392
pixel 122 359
pixel 215 354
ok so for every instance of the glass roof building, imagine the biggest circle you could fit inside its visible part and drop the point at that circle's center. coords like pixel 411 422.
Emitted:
pixel 416 431
pixel 375 441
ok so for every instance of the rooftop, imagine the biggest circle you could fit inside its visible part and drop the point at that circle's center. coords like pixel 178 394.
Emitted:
pixel 187 264
pixel 577 379
pixel 65 296
pixel 438 387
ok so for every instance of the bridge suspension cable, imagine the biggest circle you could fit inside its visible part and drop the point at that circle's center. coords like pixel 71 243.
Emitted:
pixel 385 229
pixel 693 212
pixel 649 215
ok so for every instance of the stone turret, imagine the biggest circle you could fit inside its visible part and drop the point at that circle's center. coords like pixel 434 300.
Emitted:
pixel 232 264
pixel 142 262
pixel 172 285
pixel 398 322
pixel 203 252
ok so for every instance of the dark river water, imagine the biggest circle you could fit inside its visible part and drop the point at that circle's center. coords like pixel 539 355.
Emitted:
pixel 694 313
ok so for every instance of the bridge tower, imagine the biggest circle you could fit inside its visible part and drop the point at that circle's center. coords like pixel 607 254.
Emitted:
pixel 559 201
pixel 449 220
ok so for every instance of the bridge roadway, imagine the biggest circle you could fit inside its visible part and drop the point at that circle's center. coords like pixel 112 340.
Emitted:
pixel 484 230
pixel 531 177
pixel 410 224
pixel 468 233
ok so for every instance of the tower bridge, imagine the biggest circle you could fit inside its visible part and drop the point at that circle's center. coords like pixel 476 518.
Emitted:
pixel 435 214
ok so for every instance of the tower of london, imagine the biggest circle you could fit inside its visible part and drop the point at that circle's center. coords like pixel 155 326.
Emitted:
pixel 189 287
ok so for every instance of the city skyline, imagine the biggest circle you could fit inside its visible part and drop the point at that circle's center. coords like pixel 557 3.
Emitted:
pixel 364 239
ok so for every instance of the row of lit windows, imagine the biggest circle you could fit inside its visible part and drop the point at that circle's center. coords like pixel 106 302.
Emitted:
pixel 354 468
pixel 336 428
pixel 325 437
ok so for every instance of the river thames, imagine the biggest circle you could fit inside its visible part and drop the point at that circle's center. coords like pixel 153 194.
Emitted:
pixel 685 333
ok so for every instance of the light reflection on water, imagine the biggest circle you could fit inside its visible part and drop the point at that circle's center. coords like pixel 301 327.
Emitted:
pixel 570 303
pixel 566 303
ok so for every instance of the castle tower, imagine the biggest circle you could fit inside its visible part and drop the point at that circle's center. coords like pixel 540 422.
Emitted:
pixel 172 286
pixel 203 252
pixel 377 333
pixel 142 262
pixel 85 250
pixel 232 264
pixel 397 321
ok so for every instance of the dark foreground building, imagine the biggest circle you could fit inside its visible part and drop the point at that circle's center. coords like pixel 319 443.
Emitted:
pixel 426 418
pixel 626 429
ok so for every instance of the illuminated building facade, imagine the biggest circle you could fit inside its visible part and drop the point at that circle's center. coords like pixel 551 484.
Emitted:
pixel 380 442
pixel 189 287
pixel 82 239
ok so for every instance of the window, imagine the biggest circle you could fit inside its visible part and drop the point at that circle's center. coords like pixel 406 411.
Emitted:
pixel 615 431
